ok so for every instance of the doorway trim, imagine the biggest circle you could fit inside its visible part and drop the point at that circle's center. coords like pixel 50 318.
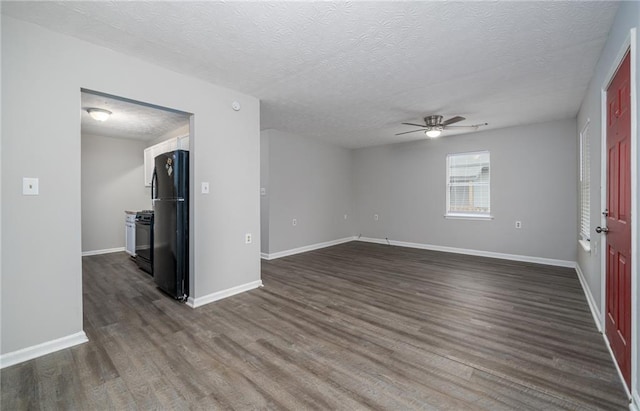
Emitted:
pixel 630 45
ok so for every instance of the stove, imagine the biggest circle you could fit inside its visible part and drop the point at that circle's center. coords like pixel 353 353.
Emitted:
pixel 144 240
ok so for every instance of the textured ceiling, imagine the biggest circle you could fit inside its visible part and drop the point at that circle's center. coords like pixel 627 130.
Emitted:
pixel 350 73
pixel 129 119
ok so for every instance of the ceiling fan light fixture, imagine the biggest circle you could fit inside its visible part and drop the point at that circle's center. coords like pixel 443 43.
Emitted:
pixel 99 114
pixel 433 132
pixel 434 126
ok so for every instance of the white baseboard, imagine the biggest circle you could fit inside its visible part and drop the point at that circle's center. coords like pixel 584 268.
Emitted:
pixel 29 353
pixel 480 253
pixel 105 251
pixel 615 364
pixel 200 301
pixel 592 302
pixel 306 248
pixel 598 320
pixel 491 254
pixel 635 402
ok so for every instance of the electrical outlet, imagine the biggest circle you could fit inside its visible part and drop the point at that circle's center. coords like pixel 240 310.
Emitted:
pixel 30 186
pixel 263 191
pixel 518 224
pixel 376 217
pixel 247 238
pixel 294 222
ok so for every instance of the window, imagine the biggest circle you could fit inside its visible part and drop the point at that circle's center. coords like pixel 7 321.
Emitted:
pixel 585 187
pixel 468 185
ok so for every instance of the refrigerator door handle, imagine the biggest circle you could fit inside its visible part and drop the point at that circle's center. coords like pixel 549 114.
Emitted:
pixel 154 178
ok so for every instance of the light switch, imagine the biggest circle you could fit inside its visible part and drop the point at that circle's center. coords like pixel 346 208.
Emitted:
pixel 204 188
pixel 30 186
pixel 263 191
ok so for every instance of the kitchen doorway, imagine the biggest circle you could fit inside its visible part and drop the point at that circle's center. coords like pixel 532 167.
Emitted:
pixel 120 139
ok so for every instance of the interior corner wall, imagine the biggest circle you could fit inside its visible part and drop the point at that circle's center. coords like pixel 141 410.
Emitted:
pixel 309 181
pixel 533 180
pixel 627 17
pixel 112 181
pixel 43 72
pixel 264 185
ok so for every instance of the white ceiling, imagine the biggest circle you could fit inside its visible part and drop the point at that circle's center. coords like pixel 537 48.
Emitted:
pixel 351 72
pixel 129 119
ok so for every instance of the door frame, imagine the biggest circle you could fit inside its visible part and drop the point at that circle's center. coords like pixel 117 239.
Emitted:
pixel 630 44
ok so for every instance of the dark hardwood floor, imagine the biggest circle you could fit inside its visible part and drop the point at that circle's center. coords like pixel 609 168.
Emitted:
pixel 355 326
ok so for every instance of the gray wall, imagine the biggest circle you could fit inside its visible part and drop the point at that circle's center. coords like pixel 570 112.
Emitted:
pixel 311 182
pixel 628 17
pixel 112 181
pixel 43 72
pixel 178 132
pixel 533 179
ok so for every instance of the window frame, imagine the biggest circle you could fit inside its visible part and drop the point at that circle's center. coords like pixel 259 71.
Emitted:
pixel 584 184
pixel 466 215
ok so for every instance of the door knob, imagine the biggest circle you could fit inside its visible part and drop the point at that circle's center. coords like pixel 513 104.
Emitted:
pixel 602 230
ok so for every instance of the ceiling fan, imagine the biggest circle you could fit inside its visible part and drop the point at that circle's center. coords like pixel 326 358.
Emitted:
pixel 434 126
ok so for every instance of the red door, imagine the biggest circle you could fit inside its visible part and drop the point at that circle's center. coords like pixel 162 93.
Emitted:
pixel 618 240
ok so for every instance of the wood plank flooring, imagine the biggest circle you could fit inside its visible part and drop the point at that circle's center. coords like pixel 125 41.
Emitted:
pixel 355 326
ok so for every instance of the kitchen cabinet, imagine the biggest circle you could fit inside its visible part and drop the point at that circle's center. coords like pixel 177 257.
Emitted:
pixel 150 153
pixel 130 233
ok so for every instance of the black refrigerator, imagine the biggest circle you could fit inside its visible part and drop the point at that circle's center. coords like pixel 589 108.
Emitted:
pixel 170 194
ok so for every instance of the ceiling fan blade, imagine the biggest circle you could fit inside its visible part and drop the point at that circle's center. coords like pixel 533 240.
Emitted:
pixel 452 120
pixel 461 128
pixel 407 132
pixel 472 127
pixel 412 124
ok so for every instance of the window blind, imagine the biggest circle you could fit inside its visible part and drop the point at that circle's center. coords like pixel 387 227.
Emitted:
pixel 468 183
pixel 585 184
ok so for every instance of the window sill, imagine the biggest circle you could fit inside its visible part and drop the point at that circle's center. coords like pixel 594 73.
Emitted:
pixel 468 217
pixel 586 245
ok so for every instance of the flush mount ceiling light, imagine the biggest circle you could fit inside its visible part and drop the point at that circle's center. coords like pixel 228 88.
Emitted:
pixel 99 113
